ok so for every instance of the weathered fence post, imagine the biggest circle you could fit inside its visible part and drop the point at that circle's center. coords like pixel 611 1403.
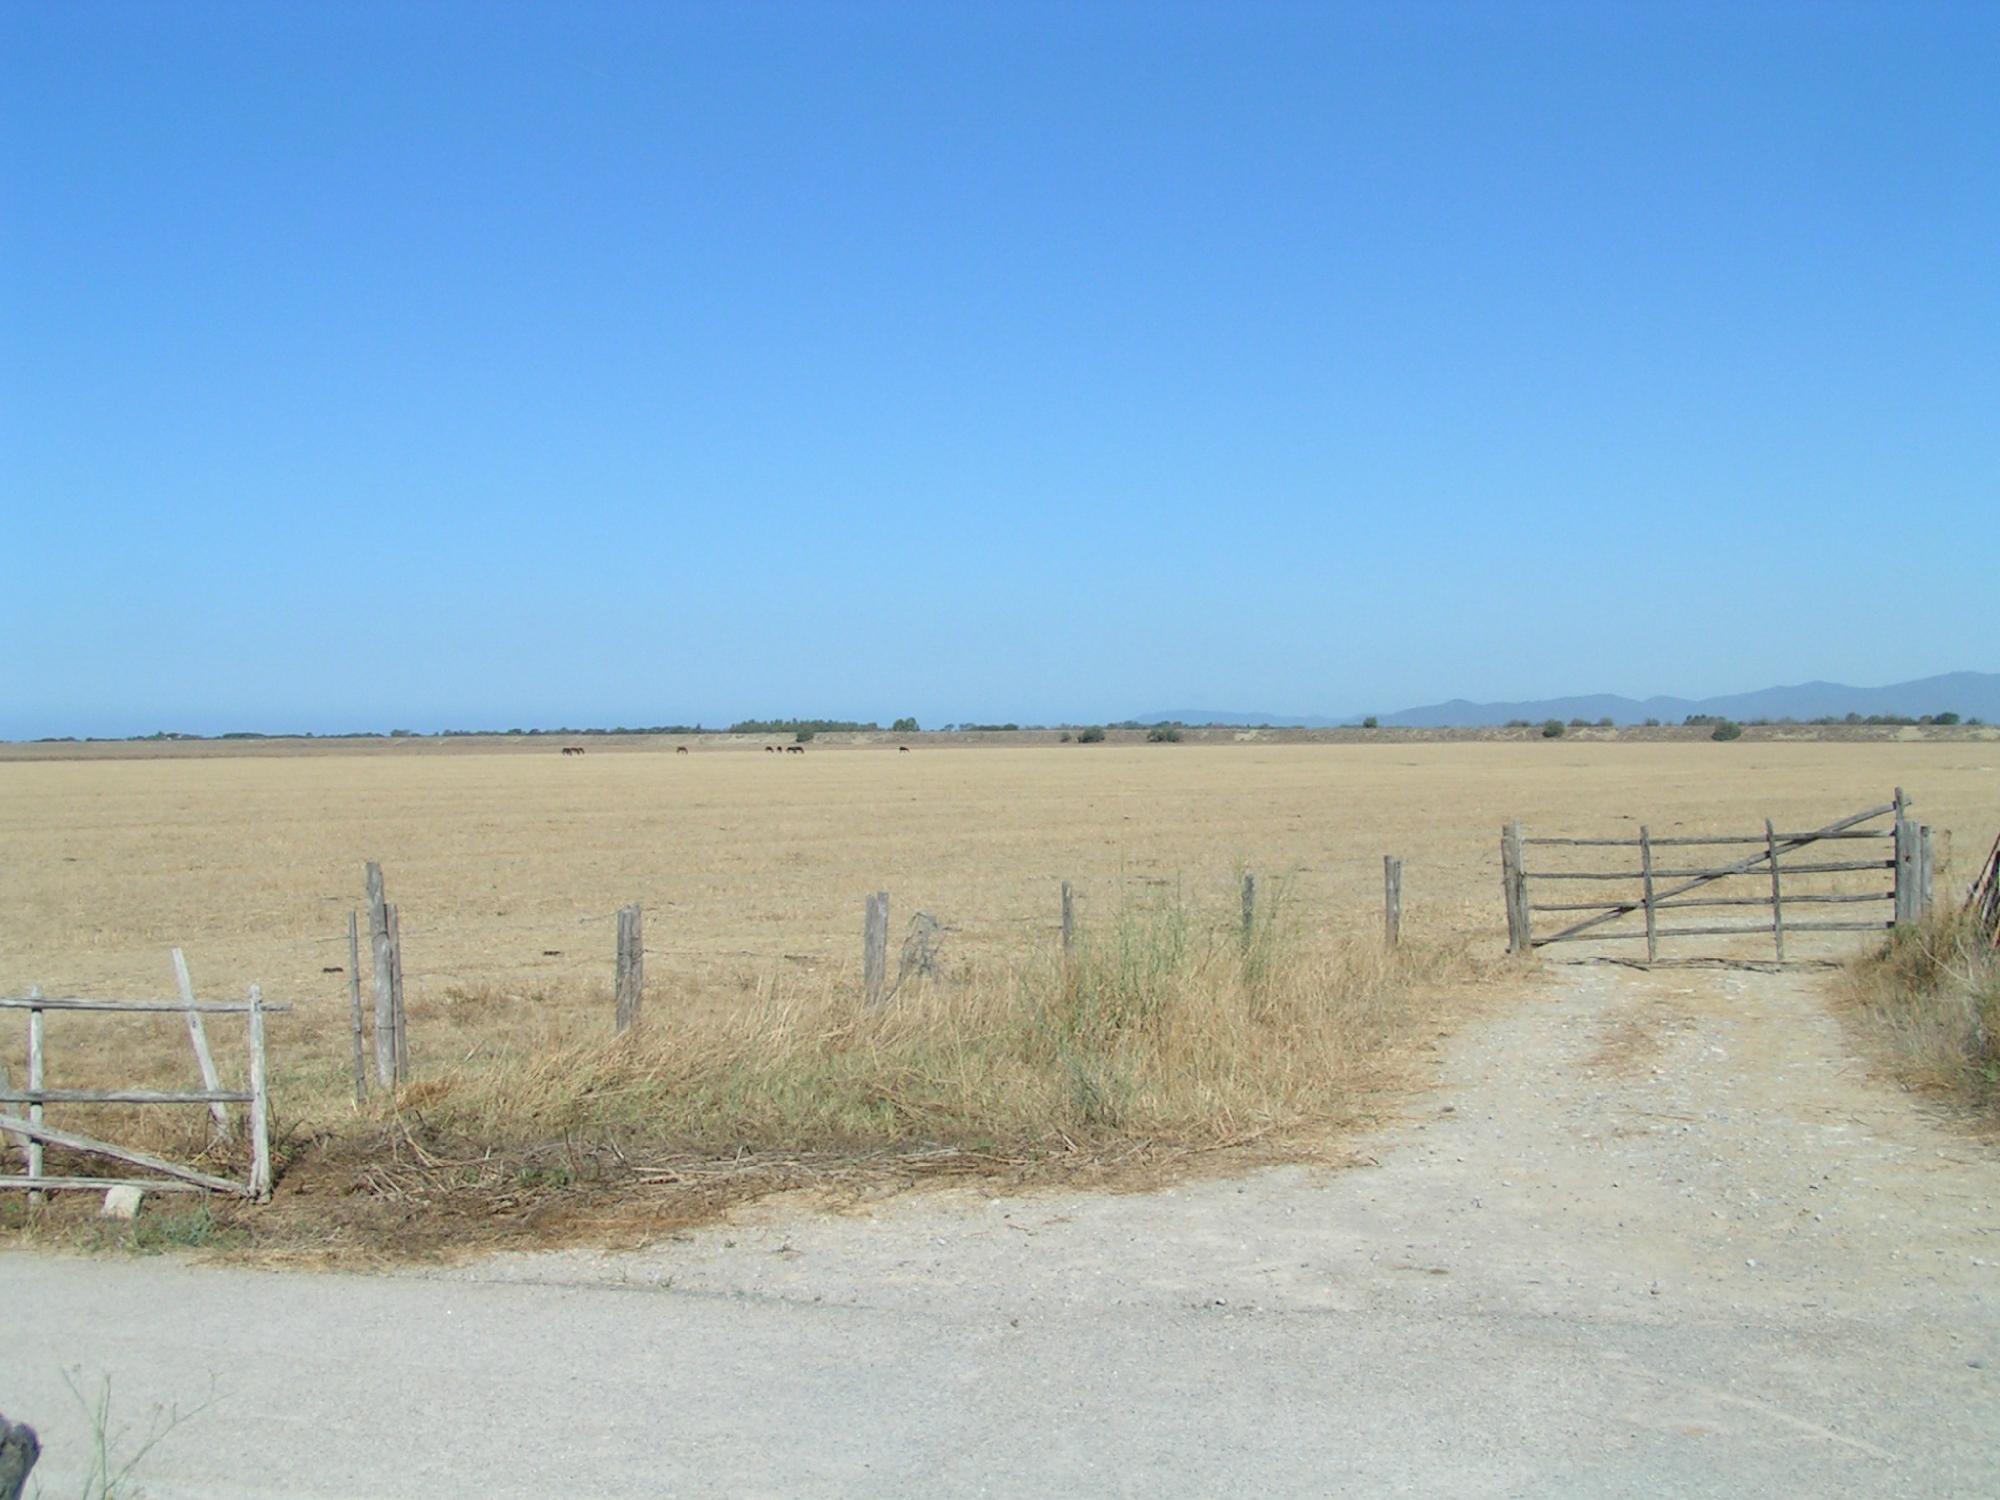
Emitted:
pixel 1777 891
pixel 36 1082
pixel 354 1002
pixel 198 1035
pixel 402 1029
pixel 1514 884
pixel 1249 910
pixel 19 1449
pixel 385 993
pixel 1068 922
pixel 875 949
pixel 1392 899
pixel 1646 883
pixel 631 990
pixel 260 1103
pixel 1907 877
pixel 1924 870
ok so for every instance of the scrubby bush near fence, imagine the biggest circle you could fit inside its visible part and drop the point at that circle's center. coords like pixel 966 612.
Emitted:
pixel 1930 999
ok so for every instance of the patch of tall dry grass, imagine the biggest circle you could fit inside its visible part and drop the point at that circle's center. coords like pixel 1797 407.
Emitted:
pixel 1930 998
pixel 1163 1026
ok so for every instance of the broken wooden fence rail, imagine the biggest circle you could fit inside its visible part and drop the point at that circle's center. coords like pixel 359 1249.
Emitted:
pixel 198 1038
pixel 172 1176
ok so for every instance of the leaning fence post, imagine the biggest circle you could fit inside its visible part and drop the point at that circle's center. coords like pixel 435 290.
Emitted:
pixel 631 989
pixel 354 1002
pixel 385 994
pixel 198 1034
pixel 1068 922
pixel 875 949
pixel 1392 899
pixel 1249 910
pixel 260 1104
pixel 1514 885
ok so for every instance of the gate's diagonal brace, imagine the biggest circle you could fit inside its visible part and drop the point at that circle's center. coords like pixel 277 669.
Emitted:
pixel 1741 867
pixel 36 1131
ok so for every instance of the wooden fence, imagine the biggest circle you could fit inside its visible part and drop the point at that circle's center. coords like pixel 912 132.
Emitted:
pixel 31 1135
pixel 1667 884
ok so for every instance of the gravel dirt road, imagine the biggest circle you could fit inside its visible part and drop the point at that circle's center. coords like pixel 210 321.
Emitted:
pixel 1652 1234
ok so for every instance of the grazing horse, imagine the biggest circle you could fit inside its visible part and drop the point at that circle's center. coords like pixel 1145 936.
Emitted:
pixel 795 749
pixel 770 749
pixel 680 749
pixel 902 749
pixel 572 749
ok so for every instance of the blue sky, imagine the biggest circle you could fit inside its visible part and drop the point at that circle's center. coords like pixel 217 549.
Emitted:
pixel 447 366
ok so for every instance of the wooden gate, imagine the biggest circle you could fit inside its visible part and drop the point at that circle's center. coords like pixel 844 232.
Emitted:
pixel 31 1136
pixel 1669 881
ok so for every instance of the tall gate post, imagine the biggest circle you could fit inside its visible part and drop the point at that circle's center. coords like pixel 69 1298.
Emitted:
pixel 1909 878
pixel 1514 884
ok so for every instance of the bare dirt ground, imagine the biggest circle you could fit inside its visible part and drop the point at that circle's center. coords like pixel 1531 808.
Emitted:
pixel 1651 1234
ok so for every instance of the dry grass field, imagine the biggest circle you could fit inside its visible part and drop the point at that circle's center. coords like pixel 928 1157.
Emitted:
pixel 752 868
pixel 507 867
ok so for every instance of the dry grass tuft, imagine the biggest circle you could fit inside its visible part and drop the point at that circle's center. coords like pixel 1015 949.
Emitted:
pixel 1930 998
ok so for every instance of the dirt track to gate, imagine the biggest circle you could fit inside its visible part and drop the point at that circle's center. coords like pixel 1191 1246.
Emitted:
pixel 1653 1234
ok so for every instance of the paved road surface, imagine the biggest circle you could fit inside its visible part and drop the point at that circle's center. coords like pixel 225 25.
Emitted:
pixel 1659 1235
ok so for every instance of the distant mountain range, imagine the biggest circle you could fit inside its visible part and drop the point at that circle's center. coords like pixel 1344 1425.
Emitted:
pixel 1968 694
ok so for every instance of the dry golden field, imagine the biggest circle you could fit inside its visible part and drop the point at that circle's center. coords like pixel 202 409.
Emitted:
pixel 752 869
pixel 507 867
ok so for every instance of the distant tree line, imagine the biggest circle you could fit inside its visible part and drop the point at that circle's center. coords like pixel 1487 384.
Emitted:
pixel 1162 731
pixel 793 726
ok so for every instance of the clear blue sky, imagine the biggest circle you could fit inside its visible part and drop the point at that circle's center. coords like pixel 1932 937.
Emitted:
pixel 424 365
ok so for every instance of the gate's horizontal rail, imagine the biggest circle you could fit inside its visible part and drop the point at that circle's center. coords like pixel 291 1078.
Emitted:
pixel 1826 867
pixel 137 1007
pixel 124 1096
pixel 1818 898
pixel 1764 929
pixel 1733 838
pixel 100 1184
